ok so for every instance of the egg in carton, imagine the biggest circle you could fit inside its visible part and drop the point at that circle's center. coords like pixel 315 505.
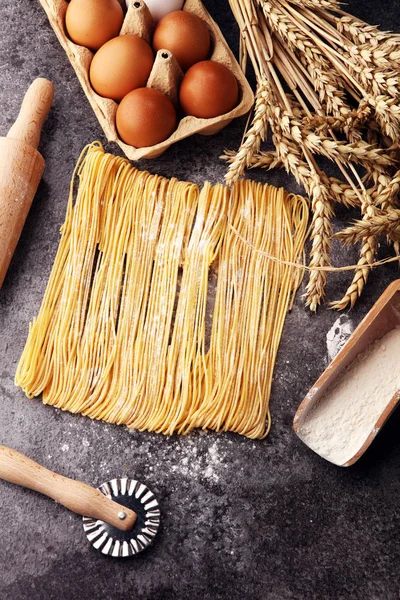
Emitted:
pixel 165 76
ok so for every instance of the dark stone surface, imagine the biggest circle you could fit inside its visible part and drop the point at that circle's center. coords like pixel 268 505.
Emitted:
pixel 268 519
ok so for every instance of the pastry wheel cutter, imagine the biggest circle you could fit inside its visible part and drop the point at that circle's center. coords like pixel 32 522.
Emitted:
pixel 120 518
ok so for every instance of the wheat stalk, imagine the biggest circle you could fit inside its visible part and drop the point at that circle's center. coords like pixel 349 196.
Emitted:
pixel 341 193
pixel 355 118
pixel 344 79
pixel 367 254
pixel 378 86
pixel 263 159
pixel 316 4
pixel 359 32
pixel 386 199
pixel 297 160
pixel 387 223
pixel 321 234
pixel 253 137
pixel 318 68
pixel 359 152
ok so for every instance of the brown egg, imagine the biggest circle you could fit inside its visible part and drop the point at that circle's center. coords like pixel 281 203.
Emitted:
pixel 185 35
pixel 209 89
pixel 92 23
pixel 120 66
pixel 145 117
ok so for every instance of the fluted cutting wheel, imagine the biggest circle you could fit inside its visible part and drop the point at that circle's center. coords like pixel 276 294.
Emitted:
pixel 122 544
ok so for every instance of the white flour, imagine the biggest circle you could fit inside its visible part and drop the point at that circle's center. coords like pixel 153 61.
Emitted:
pixel 339 424
pixel 194 465
pixel 338 335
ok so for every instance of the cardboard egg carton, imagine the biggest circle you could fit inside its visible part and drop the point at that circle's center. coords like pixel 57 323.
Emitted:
pixel 165 76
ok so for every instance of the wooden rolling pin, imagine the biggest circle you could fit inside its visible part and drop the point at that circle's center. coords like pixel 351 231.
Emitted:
pixel 21 167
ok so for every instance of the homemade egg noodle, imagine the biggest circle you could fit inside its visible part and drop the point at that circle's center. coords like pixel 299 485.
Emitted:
pixel 128 330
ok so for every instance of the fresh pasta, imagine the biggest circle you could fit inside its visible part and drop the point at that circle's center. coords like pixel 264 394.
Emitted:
pixel 121 333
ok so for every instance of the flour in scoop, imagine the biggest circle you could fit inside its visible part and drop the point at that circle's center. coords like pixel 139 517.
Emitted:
pixel 339 424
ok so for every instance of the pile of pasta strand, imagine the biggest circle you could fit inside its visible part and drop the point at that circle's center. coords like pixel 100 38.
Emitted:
pixel 121 333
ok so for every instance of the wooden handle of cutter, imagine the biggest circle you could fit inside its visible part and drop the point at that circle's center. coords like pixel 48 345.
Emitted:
pixel 75 495
pixel 34 110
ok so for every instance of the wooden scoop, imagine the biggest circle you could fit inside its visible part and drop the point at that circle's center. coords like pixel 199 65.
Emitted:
pixel 382 318
pixel 21 167
pixel 75 495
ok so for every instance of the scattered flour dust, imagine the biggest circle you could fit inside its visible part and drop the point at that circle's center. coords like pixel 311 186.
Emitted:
pixel 194 464
pixel 339 424
pixel 338 335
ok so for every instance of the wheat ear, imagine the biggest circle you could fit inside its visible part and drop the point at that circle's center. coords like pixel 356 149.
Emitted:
pixel 253 137
pixel 382 224
pixel 368 250
pixel 321 233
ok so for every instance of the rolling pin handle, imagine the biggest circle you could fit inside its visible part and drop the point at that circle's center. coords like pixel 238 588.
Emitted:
pixel 34 110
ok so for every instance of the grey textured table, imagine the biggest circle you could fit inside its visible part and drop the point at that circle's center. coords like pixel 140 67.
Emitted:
pixel 267 520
